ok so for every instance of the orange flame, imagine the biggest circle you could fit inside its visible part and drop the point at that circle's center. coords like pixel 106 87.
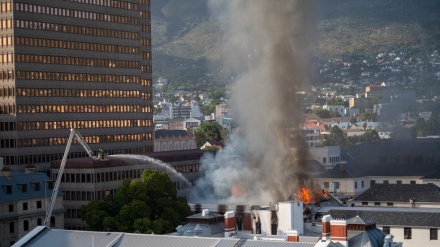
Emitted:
pixel 324 192
pixel 304 195
pixel 238 191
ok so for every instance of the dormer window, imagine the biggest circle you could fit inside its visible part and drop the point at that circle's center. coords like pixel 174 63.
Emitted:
pixel 37 186
pixel 8 189
pixel 23 188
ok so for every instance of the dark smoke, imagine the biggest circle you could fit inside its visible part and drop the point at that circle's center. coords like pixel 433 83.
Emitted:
pixel 267 43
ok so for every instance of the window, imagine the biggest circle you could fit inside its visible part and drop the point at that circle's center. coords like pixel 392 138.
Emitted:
pixel 25 206
pixel 326 185
pixel 38 204
pixel 386 182
pixel 362 184
pixel 11 208
pixel 324 160
pixel 407 233
pixel 364 203
pixel 355 185
pixel 386 229
pixel 8 189
pixel 25 225
pixel 399 182
pixel 376 203
pixel 11 227
pixel 39 221
pixel 390 204
pixel 412 182
pixel 433 234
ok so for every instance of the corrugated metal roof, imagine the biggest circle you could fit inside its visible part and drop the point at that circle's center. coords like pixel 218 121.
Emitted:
pixel 135 240
pixel 68 238
pixel 17 180
pixel 259 243
pixel 57 237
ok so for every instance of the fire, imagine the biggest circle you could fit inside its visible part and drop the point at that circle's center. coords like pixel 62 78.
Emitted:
pixel 304 195
pixel 324 192
pixel 238 191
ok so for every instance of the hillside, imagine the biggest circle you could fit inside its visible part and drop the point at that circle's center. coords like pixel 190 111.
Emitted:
pixel 183 31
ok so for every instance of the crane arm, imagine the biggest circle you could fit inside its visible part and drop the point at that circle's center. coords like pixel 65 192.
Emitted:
pixel 73 134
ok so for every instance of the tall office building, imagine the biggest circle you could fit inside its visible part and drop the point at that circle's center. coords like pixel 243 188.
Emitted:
pixel 83 64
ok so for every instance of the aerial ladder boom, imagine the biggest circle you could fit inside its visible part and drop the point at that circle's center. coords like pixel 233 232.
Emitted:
pixel 73 134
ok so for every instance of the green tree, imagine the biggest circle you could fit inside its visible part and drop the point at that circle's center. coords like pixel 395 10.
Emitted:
pixel 147 205
pixel 368 117
pixel 209 131
pixel 157 110
pixel 335 138
pixel 322 113
pixel 353 120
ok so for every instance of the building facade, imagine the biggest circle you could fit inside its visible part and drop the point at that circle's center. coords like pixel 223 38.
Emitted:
pixel 83 64
pixel 23 200
pixel 85 179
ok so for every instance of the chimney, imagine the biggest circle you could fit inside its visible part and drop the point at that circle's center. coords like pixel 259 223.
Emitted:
pixel 326 227
pixel 30 168
pixel 292 236
pixel 230 224
pixel 6 172
pixel 338 230
pixel 205 212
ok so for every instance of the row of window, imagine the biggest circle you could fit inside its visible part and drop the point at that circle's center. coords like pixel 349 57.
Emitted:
pixel 6 41
pixel 78 61
pixel 64 28
pixel 63 76
pixel 26 159
pixel 54 141
pixel 59 92
pixel 77 109
pixel 73 45
pixel 6 24
pixel 111 3
pixel 26 224
pixel 7 57
pixel 6 7
pixel 37 125
pixel 72 13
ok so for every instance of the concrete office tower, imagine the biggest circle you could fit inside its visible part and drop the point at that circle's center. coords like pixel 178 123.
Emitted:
pixel 83 64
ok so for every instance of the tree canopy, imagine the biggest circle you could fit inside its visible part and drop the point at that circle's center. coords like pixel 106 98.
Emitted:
pixel 209 131
pixel 146 206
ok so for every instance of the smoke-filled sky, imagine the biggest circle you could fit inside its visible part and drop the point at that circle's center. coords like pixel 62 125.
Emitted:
pixel 267 44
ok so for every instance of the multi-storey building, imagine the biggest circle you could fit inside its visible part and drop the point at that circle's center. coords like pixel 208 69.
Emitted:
pixel 83 64
pixel 85 179
pixel 23 200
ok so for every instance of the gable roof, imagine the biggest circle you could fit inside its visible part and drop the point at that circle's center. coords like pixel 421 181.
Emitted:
pixel 401 193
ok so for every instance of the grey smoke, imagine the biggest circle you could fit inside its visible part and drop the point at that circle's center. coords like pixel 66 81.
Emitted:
pixel 267 43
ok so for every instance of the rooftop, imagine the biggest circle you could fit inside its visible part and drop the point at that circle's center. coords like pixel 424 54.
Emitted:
pixel 23 186
pixel 401 193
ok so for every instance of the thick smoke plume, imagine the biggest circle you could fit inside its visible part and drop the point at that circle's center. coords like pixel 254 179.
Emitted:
pixel 266 158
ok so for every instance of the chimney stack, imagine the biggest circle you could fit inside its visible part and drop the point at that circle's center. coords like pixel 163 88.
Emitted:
pixel 292 236
pixel 326 227
pixel 338 229
pixel 230 224
pixel 6 172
